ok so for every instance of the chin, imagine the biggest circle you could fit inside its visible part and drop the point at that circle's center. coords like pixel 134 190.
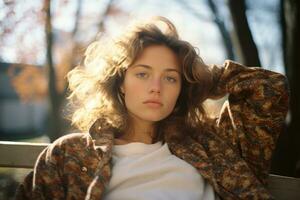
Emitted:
pixel 154 118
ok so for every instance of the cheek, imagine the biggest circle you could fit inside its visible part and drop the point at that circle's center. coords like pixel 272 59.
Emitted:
pixel 133 90
pixel 173 96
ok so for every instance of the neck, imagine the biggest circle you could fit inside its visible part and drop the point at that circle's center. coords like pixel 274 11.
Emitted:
pixel 139 131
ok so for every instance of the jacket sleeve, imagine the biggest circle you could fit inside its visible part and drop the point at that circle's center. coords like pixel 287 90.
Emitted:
pixel 45 181
pixel 254 115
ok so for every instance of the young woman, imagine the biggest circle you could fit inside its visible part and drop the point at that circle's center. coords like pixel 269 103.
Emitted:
pixel 140 101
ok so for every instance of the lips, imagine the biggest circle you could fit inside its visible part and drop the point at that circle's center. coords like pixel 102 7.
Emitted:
pixel 153 103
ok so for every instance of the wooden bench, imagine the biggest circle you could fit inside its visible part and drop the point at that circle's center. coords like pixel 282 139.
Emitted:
pixel 23 155
pixel 19 154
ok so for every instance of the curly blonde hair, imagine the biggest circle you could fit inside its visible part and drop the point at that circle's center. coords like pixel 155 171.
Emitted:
pixel 95 85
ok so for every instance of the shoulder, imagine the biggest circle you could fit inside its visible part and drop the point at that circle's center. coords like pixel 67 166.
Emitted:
pixel 72 137
pixel 68 143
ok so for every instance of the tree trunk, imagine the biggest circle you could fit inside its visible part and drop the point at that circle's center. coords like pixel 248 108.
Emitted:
pixel 55 125
pixel 288 152
pixel 246 44
pixel 221 26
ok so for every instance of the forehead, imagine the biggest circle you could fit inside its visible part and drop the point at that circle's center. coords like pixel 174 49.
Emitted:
pixel 158 56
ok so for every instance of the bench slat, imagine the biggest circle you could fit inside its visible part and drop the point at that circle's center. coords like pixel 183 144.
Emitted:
pixel 283 187
pixel 19 154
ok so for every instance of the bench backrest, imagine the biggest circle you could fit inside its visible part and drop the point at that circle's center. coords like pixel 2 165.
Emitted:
pixel 19 154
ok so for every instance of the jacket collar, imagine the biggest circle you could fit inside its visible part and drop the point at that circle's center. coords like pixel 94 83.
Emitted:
pixel 103 137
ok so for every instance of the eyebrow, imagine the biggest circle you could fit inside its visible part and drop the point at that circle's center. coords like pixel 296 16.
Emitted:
pixel 149 67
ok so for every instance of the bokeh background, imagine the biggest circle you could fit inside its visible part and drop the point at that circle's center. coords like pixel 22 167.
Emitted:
pixel 41 40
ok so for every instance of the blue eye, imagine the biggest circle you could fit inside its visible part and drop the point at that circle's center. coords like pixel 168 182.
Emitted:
pixel 141 75
pixel 171 79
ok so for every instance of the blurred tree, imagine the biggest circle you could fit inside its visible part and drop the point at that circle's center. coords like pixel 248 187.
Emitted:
pixel 56 71
pixel 218 20
pixel 55 98
pixel 223 30
pixel 245 44
pixel 287 157
pixel 30 83
pixel 109 10
pixel 15 23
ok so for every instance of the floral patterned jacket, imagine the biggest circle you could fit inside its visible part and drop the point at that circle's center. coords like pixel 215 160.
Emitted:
pixel 234 157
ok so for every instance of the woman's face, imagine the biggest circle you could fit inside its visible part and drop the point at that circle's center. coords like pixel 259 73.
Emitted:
pixel 152 84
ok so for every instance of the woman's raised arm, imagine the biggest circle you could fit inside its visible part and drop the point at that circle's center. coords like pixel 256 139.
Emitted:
pixel 254 115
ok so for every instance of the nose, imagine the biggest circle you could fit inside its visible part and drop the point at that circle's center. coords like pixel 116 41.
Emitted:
pixel 155 85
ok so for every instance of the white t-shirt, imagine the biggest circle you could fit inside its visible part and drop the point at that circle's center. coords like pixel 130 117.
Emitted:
pixel 149 171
